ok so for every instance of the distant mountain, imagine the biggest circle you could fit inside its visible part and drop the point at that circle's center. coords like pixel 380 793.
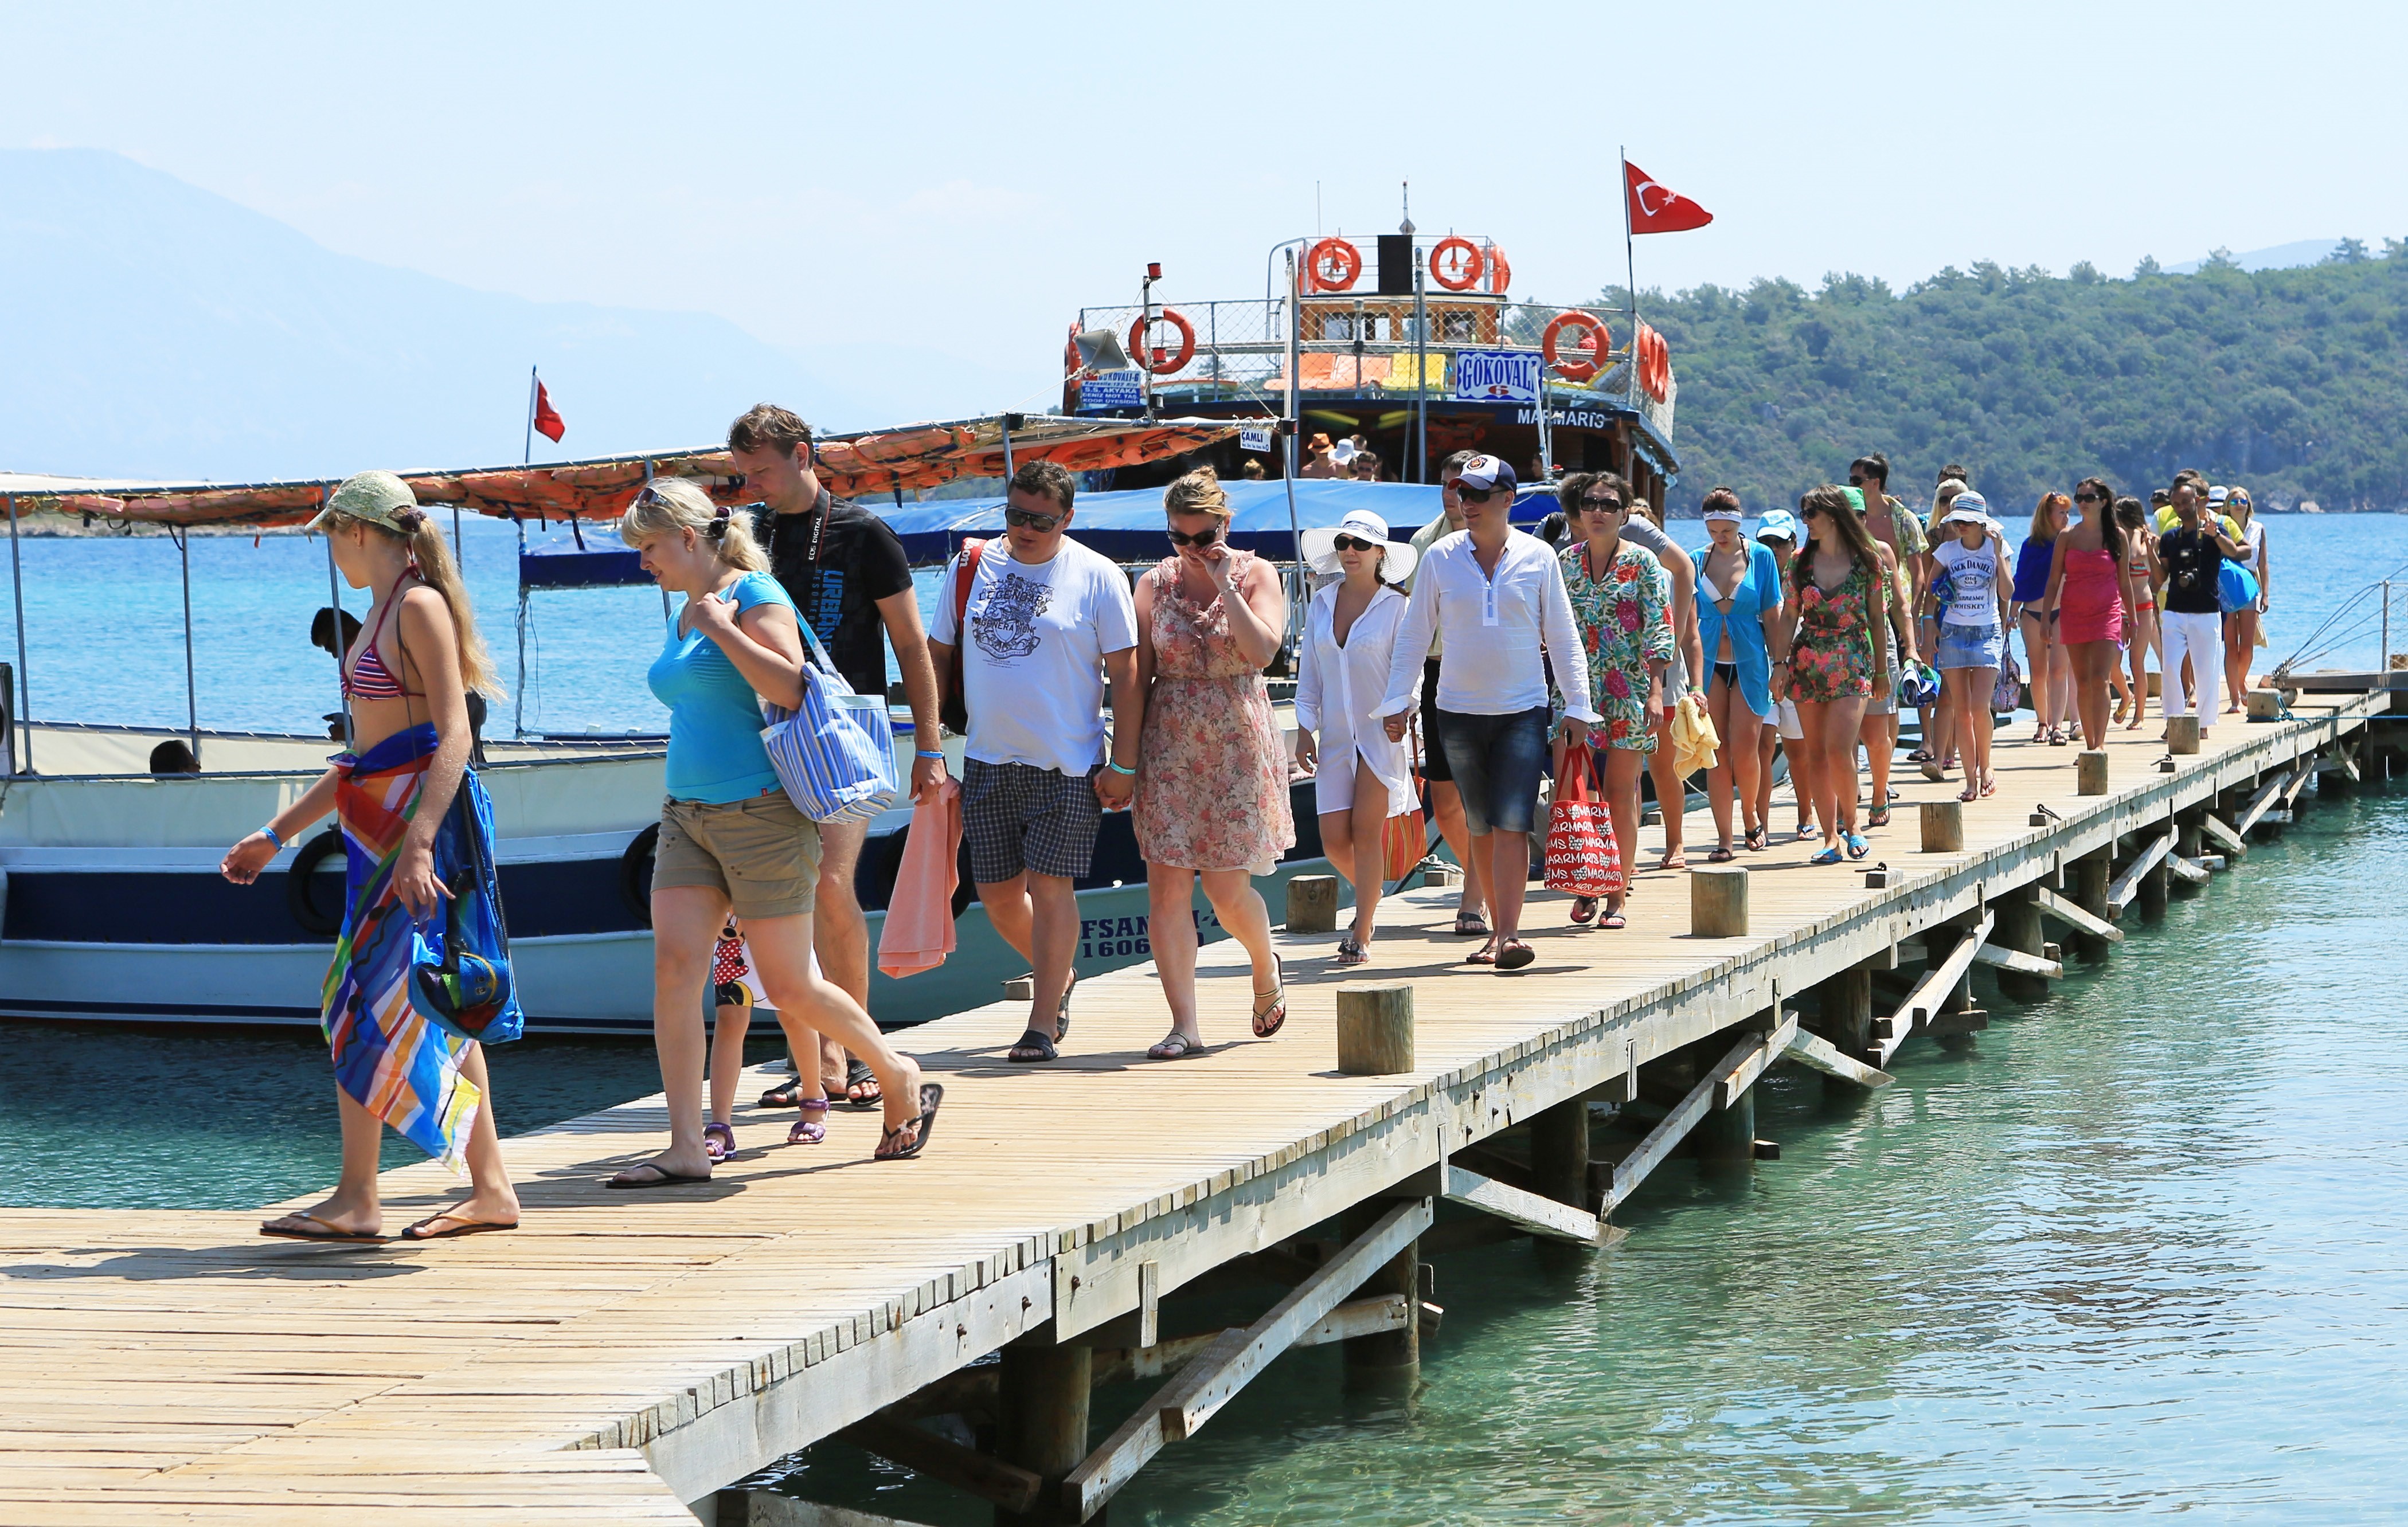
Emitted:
pixel 152 329
pixel 2307 251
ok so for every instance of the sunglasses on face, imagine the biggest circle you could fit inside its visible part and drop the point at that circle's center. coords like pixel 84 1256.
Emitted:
pixel 2086 498
pixel 1854 481
pixel 1030 520
pixel 1593 503
pixel 1476 495
pixel 1348 543
pixel 1201 540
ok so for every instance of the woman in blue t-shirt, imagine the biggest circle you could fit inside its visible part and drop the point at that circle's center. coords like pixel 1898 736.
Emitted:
pixel 2052 671
pixel 731 840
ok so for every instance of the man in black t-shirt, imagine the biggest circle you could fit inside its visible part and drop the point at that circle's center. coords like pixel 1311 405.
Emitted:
pixel 849 579
pixel 2190 560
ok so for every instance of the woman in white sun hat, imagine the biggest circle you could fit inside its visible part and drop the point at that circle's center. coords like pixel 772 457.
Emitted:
pixel 1360 778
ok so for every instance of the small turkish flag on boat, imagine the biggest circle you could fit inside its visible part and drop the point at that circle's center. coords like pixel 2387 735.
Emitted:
pixel 548 422
pixel 1657 208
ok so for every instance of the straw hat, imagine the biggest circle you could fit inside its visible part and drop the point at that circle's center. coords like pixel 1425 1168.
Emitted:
pixel 1320 548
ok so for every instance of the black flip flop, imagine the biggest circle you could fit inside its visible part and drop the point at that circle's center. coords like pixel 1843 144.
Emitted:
pixel 462 1225
pixel 663 1177
pixel 932 1096
pixel 856 1071
pixel 325 1232
pixel 1031 1039
pixel 1515 955
pixel 1062 1011
pixel 785 1096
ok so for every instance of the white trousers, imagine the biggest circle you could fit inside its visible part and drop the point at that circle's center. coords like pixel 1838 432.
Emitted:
pixel 2202 639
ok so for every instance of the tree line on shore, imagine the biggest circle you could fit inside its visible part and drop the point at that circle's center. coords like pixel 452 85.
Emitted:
pixel 2293 382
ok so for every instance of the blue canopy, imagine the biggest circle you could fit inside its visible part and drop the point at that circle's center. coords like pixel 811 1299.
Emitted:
pixel 1126 524
pixel 559 559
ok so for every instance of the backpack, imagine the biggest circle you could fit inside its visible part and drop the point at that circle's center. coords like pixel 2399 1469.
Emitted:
pixel 952 706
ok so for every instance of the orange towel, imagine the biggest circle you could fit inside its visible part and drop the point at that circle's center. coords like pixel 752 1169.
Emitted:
pixel 918 930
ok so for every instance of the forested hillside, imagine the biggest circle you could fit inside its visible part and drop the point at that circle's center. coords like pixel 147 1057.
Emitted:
pixel 2293 382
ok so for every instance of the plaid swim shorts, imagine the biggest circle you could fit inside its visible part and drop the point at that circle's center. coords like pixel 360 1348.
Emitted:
pixel 1017 816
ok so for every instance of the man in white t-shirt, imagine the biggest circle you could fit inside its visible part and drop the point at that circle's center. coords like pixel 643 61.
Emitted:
pixel 1047 621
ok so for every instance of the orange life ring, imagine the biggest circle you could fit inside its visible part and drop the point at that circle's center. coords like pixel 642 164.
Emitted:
pixel 1469 276
pixel 1655 364
pixel 1596 344
pixel 1151 360
pixel 1071 364
pixel 1501 271
pixel 1345 261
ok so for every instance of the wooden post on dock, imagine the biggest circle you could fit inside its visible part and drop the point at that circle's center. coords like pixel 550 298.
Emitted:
pixel 1041 1415
pixel 1560 1170
pixel 2182 734
pixel 1845 1015
pixel 1375 1028
pixel 1718 901
pixel 2018 929
pixel 1312 904
pixel 1387 1361
pixel 2091 876
pixel 1943 831
pixel 2090 772
pixel 1725 1137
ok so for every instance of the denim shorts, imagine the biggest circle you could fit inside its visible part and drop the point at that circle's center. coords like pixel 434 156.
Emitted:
pixel 1498 762
pixel 1970 646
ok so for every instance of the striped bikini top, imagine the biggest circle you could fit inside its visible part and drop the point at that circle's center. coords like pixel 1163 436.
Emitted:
pixel 369 679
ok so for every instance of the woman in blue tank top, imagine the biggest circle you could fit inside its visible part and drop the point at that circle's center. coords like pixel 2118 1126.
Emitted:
pixel 731 841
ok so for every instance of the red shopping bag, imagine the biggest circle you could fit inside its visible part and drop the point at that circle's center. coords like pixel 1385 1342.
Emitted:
pixel 1404 840
pixel 1583 859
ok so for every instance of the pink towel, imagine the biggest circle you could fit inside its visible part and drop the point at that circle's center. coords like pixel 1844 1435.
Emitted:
pixel 920 915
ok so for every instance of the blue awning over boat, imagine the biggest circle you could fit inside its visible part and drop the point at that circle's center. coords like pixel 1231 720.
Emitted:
pixel 559 559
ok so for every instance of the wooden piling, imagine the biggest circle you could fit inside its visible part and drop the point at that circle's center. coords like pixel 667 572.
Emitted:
pixel 2018 929
pixel 1943 826
pixel 1724 1138
pixel 1718 901
pixel 2182 734
pixel 1387 1361
pixel 1845 1015
pixel 1560 1170
pixel 2090 772
pixel 2088 880
pixel 1375 1028
pixel 1042 1401
pixel 1312 904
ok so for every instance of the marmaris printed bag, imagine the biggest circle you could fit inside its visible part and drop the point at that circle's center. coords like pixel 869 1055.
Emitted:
pixel 1583 858
pixel 836 756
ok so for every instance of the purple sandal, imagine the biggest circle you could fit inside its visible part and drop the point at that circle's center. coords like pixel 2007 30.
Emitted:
pixel 808 1130
pixel 718 1141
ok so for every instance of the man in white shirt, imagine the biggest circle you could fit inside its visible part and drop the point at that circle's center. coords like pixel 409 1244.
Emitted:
pixel 1497 595
pixel 1471 908
pixel 1047 621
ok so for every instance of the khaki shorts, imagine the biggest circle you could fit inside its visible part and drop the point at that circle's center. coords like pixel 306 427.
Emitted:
pixel 761 855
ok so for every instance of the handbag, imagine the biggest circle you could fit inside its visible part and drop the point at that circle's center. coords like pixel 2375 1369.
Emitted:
pixel 1583 858
pixel 2007 694
pixel 468 991
pixel 1404 841
pixel 836 755
pixel 2236 588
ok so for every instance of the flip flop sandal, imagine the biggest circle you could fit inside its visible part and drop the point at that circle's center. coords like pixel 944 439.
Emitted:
pixel 1583 909
pixel 1614 920
pixel 1479 925
pixel 1877 817
pixel 1857 847
pixel 1268 1022
pixel 857 1073
pixel 717 1143
pixel 464 1226
pixel 1515 955
pixel 1673 861
pixel 1483 956
pixel 932 1096
pixel 1921 755
pixel 807 1130
pixel 1721 856
pixel 1352 953
pixel 661 1177
pixel 1828 856
pixel 326 1231
pixel 1062 1010
pixel 1933 772
pixel 784 1096
pixel 1758 839
pixel 1032 1040
pixel 1968 792
pixel 1173 1046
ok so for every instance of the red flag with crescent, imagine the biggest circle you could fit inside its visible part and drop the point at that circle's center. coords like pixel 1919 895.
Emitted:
pixel 1657 208
pixel 548 422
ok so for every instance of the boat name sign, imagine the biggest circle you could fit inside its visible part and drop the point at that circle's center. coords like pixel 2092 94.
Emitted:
pixel 1497 375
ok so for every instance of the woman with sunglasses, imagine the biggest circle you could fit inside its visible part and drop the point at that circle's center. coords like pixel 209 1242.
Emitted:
pixel 1739 619
pixel 1620 595
pixel 1360 779
pixel 1212 791
pixel 2043 654
pixel 2140 632
pixel 2089 590
pixel 1837 657
pixel 2241 626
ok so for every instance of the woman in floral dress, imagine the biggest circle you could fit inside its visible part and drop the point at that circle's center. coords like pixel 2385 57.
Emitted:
pixel 1620 597
pixel 1836 661
pixel 1212 793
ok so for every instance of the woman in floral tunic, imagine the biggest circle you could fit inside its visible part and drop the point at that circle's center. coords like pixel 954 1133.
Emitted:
pixel 1835 661
pixel 1620 597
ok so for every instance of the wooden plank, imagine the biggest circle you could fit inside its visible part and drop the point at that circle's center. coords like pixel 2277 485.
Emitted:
pixel 1114 1464
pixel 1304 1305
pixel 768 1508
pixel 963 1468
pixel 1631 1170
pixel 1542 1217
pixel 2016 959
pixel 1921 1002
pixel 2128 885
pixel 2222 831
pixel 1812 1050
pixel 1355 1318
pixel 1729 1089
pixel 2194 874
pixel 2076 917
pixel 2261 805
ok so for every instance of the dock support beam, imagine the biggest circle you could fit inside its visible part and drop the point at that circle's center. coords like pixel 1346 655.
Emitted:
pixel 2154 885
pixel 2090 876
pixel 1041 1419
pixel 1725 1137
pixel 1845 1015
pixel 1560 1170
pixel 2018 929
pixel 1389 1361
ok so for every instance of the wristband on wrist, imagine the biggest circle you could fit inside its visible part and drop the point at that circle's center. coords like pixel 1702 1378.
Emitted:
pixel 272 836
pixel 930 753
pixel 1114 765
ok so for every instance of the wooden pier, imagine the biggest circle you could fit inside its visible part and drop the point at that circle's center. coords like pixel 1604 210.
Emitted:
pixel 624 1357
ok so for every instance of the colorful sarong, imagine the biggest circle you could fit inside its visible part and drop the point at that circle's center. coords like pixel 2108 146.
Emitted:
pixel 387 1056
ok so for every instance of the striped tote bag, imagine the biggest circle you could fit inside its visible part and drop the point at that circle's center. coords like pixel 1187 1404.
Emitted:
pixel 836 755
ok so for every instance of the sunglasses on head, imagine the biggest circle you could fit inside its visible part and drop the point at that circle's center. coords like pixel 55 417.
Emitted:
pixel 1201 538
pixel 1348 543
pixel 1030 520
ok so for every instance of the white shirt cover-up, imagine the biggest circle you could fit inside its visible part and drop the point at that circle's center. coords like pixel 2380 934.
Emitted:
pixel 1338 694
pixel 1493 629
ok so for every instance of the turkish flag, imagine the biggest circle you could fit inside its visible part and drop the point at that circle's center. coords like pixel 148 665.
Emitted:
pixel 548 422
pixel 1657 208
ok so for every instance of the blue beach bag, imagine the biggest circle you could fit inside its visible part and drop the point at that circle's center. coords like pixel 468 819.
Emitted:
pixel 2236 588
pixel 836 755
pixel 465 988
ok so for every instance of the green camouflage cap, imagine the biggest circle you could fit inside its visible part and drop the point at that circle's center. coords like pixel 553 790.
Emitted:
pixel 379 498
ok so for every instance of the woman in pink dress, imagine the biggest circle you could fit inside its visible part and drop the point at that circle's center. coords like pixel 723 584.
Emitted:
pixel 1212 793
pixel 2089 592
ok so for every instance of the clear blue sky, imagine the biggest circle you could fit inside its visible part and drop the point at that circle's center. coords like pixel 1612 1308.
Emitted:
pixel 939 186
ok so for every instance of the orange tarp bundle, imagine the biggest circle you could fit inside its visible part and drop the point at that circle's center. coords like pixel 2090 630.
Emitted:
pixel 1321 372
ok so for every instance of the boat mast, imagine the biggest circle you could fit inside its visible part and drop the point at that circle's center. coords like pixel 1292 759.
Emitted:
pixel 191 704
pixel 334 638
pixel 24 681
pixel 1295 364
